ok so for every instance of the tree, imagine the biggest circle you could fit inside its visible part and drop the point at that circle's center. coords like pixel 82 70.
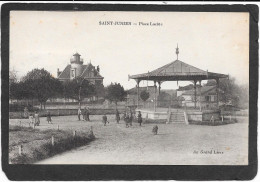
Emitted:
pixel 42 85
pixel 115 93
pixel 78 89
pixel 99 90
pixel 144 95
pixel 19 91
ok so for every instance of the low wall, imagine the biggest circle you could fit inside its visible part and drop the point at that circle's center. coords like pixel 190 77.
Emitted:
pixel 152 115
pixel 203 115
pixel 64 112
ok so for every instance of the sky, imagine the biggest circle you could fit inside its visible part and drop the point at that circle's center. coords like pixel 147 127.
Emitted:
pixel 215 41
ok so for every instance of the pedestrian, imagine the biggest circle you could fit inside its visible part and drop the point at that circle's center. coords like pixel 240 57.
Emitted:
pixel 79 113
pixel 84 113
pixel 31 120
pixel 131 118
pixel 26 112
pixel 87 114
pixel 105 119
pixel 127 120
pixel 155 130
pixel 139 118
pixel 117 117
pixel 36 119
pixel 49 117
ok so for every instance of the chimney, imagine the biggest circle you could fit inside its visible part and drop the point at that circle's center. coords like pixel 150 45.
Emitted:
pixel 58 72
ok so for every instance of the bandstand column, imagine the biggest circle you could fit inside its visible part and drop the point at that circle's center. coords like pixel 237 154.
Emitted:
pixel 200 93
pixel 154 104
pixel 137 87
pixel 195 93
pixel 159 83
pixel 217 90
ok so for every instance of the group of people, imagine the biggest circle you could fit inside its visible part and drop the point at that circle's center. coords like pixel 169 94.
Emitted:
pixel 34 119
pixel 85 114
pixel 129 116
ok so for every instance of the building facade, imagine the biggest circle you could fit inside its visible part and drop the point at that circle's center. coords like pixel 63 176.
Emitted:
pixel 207 97
pixel 76 68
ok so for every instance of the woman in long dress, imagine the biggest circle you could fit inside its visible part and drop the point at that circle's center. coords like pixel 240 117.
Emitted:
pixel 37 118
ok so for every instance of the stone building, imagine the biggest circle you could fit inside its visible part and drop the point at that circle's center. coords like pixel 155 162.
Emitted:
pixel 76 68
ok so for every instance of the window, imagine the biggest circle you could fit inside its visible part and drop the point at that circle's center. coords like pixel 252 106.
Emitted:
pixel 73 73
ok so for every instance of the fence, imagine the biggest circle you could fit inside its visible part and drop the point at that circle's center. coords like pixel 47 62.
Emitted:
pixel 64 112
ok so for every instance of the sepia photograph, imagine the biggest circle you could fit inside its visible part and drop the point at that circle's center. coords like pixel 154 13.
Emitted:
pixel 129 88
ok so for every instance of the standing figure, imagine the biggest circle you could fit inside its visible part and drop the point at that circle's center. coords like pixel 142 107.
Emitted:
pixel 36 119
pixel 87 114
pixel 127 120
pixel 155 130
pixel 139 118
pixel 49 117
pixel 31 120
pixel 79 113
pixel 26 112
pixel 131 117
pixel 84 113
pixel 117 117
pixel 105 119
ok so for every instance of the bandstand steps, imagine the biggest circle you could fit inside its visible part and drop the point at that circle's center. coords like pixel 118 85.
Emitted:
pixel 177 117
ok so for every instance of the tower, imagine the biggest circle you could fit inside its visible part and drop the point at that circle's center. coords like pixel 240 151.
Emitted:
pixel 76 66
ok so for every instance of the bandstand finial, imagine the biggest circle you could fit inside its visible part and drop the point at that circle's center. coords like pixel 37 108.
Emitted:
pixel 177 51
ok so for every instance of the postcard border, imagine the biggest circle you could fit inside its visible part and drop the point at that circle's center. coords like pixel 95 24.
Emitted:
pixel 132 172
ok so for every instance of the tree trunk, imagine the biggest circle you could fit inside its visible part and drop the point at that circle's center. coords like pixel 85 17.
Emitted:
pixel 44 105
pixel 41 105
pixel 116 105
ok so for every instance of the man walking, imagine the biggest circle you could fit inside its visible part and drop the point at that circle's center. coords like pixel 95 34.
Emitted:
pixel 117 117
pixel 87 115
pixel 79 113
pixel 139 118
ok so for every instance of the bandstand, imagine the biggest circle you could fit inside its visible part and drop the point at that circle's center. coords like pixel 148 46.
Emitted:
pixel 179 71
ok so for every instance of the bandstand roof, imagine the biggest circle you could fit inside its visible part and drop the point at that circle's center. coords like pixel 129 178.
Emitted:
pixel 177 70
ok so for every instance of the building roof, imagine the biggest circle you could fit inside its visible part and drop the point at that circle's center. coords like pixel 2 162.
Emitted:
pixel 204 90
pixel 133 91
pixel 177 70
pixel 65 74
pixel 89 67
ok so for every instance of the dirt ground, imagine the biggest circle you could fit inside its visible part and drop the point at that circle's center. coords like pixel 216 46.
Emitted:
pixel 175 144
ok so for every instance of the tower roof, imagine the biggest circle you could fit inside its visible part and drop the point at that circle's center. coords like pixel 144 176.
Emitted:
pixel 76 54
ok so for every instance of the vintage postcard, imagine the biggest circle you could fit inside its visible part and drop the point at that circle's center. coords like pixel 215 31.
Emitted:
pixel 129 88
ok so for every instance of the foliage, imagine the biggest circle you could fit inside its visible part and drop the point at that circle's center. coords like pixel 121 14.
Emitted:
pixel 144 95
pixel 163 96
pixel 99 90
pixel 20 90
pixel 115 93
pixel 78 89
pixel 237 95
pixel 64 141
pixel 38 84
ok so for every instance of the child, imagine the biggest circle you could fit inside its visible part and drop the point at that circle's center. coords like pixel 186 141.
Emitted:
pixel 49 117
pixel 31 121
pixel 155 130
